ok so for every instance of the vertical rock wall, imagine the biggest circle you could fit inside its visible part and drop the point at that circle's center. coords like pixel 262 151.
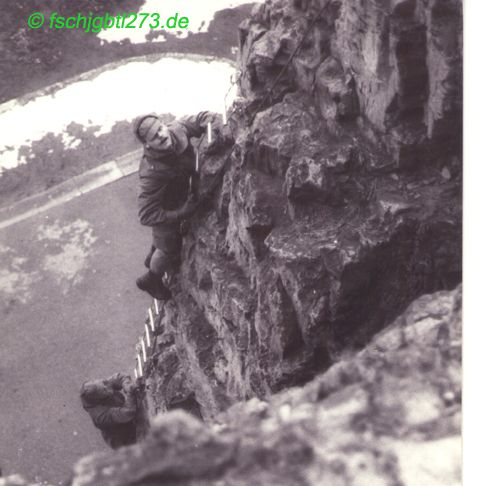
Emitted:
pixel 388 415
pixel 338 205
pixel 340 202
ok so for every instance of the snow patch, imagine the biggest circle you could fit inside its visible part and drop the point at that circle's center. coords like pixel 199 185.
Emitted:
pixel 169 85
pixel 16 282
pixel 71 247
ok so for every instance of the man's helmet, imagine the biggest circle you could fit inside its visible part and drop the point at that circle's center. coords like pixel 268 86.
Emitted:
pixel 146 127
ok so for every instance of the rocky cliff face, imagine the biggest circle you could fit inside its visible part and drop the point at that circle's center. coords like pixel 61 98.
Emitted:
pixel 340 203
pixel 388 415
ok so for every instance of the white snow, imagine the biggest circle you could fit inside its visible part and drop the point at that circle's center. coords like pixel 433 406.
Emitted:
pixel 199 13
pixel 170 85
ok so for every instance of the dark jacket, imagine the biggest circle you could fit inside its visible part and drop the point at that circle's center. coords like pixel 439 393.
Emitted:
pixel 164 178
pixel 114 416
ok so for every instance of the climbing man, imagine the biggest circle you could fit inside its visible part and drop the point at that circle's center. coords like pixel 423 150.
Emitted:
pixel 112 406
pixel 168 191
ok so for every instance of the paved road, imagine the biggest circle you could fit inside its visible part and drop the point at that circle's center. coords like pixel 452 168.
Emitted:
pixel 69 311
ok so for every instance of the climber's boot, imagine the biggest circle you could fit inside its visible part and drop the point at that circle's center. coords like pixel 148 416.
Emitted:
pixel 152 284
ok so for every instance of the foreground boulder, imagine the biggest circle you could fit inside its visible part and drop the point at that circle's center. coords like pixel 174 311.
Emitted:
pixel 388 415
pixel 338 203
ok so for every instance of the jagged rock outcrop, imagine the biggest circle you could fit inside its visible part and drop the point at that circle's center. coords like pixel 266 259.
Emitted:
pixel 388 415
pixel 393 67
pixel 340 203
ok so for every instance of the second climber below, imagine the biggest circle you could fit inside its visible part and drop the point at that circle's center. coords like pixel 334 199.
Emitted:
pixel 168 191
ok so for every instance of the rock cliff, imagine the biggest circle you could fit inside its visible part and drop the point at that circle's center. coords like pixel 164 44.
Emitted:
pixel 339 204
pixel 388 415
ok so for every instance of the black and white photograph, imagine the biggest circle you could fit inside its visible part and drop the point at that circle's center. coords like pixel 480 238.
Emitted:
pixel 231 242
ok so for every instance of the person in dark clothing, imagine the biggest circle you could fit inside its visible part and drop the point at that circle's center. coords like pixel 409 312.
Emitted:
pixel 112 405
pixel 168 191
